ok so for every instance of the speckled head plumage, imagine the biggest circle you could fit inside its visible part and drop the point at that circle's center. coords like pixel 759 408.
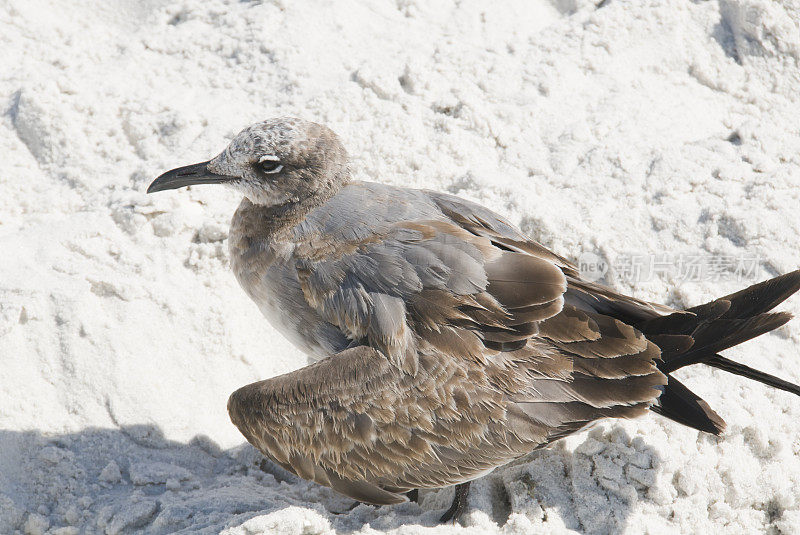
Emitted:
pixel 274 162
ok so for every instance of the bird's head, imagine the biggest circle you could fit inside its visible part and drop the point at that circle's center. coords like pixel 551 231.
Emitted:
pixel 274 162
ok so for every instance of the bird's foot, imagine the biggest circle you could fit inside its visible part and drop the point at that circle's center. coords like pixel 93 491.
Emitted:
pixel 352 506
pixel 413 495
pixel 459 504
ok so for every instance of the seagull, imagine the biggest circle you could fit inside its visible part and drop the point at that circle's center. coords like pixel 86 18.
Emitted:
pixel 445 342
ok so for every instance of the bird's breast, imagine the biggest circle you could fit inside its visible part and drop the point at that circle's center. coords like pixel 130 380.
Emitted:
pixel 266 271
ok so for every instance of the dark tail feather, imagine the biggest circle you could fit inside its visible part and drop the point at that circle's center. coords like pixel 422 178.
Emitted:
pixel 685 323
pixel 711 328
pixel 722 334
pixel 685 407
pixel 762 297
pixel 747 303
pixel 720 362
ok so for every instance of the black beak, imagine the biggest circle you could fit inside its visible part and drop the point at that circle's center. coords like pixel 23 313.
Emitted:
pixel 187 176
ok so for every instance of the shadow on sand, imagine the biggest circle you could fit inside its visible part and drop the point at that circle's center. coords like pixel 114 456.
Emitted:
pixel 134 480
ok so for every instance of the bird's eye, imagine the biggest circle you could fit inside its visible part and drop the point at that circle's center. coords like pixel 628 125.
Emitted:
pixel 270 164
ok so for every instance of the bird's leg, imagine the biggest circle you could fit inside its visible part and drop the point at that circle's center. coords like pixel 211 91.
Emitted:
pixel 352 506
pixel 413 495
pixel 459 503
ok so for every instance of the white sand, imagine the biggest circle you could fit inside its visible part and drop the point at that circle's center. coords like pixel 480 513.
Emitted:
pixel 640 127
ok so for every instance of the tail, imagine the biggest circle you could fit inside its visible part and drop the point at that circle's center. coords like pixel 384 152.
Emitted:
pixel 697 335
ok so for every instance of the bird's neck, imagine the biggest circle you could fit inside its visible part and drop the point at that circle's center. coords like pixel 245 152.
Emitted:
pixel 258 221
